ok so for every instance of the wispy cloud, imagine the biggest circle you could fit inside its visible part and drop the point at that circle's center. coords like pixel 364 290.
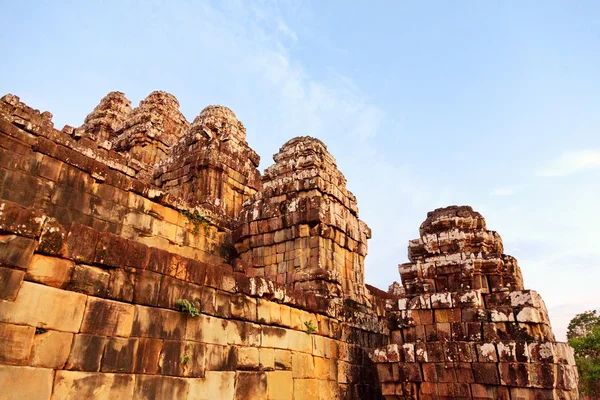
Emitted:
pixel 572 162
pixel 502 191
pixel 283 28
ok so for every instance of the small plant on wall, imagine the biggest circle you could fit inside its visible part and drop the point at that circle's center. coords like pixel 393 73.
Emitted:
pixel 196 219
pixel 310 328
pixel 187 306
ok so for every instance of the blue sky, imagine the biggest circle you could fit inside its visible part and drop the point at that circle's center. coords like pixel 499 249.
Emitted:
pixel 424 104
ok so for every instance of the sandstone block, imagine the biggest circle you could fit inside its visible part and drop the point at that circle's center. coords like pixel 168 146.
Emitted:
pixel 159 323
pixel 148 356
pixel 89 280
pixel 50 271
pixel 303 341
pixel 208 301
pixel 86 353
pixel 243 333
pixel 147 287
pixel 276 337
pixel 250 385
pixel 486 352
pixel 215 385
pixel 222 304
pixel 19 383
pixel 267 358
pixel 81 243
pixel 45 307
pixel 484 392
pixel 207 329
pixel 280 385
pixel 152 387
pixel 111 250
pixel 306 389
pixel 16 251
pixel 107 317
pixel 542 352
pixel 137 255
pixel 303 366
pixel 16 343
pixel 54 238
pixel 325 368
pixel 515 374
pixel 269 312
pixel 248 358
pixel 51 349
pixel 283 359
pixel 172 358
pixel 243 307
pixel 10 283
pixel 221 358
pixel 92 385
pixel 121 286
pixel 120 355
pixel 174 289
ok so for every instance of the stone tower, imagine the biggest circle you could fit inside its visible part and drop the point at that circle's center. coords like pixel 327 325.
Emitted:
pixel 152 129
pixel 465 327
pixel 303 228
pixel 212 165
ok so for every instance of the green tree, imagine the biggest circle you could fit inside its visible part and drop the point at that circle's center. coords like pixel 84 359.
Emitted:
pixel 584 336
pixel 582 324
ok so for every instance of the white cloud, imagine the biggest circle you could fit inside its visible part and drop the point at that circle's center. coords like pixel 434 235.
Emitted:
pixel 572 162
pixel 283 28
pixel 502 191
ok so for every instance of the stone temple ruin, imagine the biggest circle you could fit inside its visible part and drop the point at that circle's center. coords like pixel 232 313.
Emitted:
pixel 145 257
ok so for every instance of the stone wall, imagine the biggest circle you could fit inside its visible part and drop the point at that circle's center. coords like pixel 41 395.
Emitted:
pixel 144 257
pixel 98 243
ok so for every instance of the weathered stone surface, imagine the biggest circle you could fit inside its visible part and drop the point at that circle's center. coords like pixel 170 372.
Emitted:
pixel 303 229
pixel 120 355
pixel 86 353
pixel 483 332
pixel 159 323
pixel 45 307
pixel 19 383
pixel 10 283
pixel 280 385
pixel 89 280
pixel 151 387
pixel 16 343
pixel 107 317
pixel 250 385
pixel 107 118
pixel 92 385
pixel 215 385
pixel 212 166
pixel 150 130
pixel 16 251
pixel 51 349
pixel 51 271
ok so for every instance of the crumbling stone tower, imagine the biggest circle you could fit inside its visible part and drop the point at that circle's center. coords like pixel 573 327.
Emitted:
pixel 465 328
pixel 152 129
pixel 104 123
pixel 303 228
pixel 212 165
